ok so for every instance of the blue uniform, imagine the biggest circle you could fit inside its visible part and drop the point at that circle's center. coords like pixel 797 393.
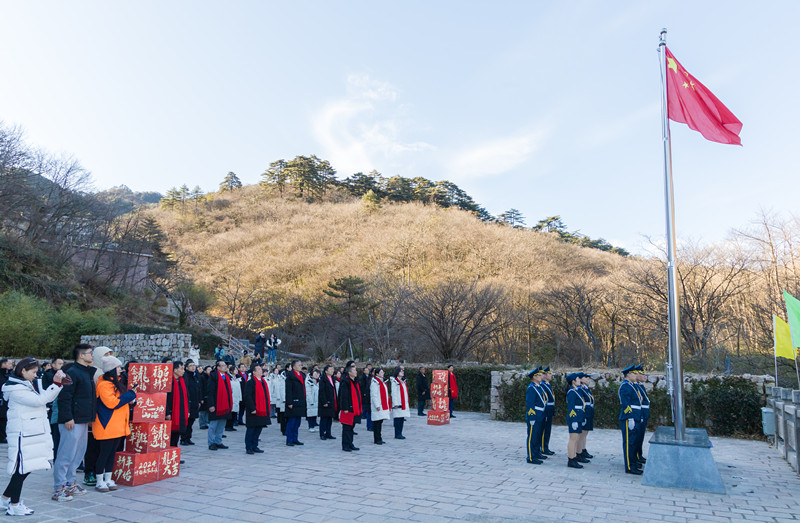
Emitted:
pixel 549 411
pixel 589 408
pixel 576 413
pixel 630 402
pixel 642 429
pixel 535 403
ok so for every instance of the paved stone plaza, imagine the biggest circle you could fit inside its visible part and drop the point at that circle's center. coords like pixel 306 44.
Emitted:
pixel 473 469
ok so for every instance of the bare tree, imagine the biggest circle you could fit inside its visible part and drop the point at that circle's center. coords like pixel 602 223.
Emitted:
pixel 456 316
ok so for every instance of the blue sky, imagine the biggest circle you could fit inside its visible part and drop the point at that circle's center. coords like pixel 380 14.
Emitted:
pixel 546 107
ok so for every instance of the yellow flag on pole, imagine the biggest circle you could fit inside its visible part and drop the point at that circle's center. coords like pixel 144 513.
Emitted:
pixel 783 338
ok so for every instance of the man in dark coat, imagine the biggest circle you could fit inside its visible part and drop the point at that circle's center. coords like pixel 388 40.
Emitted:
pixel 423 391
pixel 219 398
pixel 193 388
pixel 177 411
pixel 202 410
pixel 256 401
pixel 364 381
pixel 350 406
pixel 260 342
pixel 77 406
pixel 328 402
pixel 295 402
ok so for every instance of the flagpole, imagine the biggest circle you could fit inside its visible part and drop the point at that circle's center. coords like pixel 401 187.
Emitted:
pixel 672 296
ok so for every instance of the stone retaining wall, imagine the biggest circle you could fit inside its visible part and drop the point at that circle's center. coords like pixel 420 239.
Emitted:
pixel 144 348
pixel 602 379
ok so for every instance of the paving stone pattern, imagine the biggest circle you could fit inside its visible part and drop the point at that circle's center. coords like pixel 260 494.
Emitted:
pixel 473 469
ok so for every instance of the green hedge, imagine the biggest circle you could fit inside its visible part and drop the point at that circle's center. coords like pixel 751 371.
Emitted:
pixel 725 406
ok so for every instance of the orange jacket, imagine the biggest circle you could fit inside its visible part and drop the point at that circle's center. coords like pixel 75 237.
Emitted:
pixel 113 413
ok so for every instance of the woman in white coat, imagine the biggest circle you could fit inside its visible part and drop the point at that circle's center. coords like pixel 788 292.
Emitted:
pixel 400 403
pixel 312 400
pixel 380 404
pixel 30 445
pixel 280 398
pixel 236 395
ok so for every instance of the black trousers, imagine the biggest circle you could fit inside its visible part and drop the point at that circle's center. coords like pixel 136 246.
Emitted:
pixel 56 434
pixel 14 488
pixel 282 421
pixel 325 424
pixel 398 426
pixel 92 451
pixel 347 436
pixel 3 423
pixel 420 407
pixel 187 436
pixel 376 431
pixel 106 452
pixel 251 436
pixel 174 437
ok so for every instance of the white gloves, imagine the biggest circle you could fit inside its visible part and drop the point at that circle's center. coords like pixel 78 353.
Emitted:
pixel 631 424
pixel 574 425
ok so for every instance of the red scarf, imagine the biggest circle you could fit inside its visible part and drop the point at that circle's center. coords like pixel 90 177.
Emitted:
pixel 178 393
pixel 384 394
pixel 402 394
pixel 303 383
pixel 355 396
pixel 224 401
pixel 453 385
pixel 262 397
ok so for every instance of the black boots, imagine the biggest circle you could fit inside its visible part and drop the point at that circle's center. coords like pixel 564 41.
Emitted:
pixel 573 463
pixel 586 455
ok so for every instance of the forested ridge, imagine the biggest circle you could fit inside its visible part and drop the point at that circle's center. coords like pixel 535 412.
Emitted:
pixel 388 267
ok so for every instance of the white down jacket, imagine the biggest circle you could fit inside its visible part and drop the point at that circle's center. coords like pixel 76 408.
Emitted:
pixel 312 397
pixel 399 386
pixel 375 399
pixel 28 429
pixel 278 391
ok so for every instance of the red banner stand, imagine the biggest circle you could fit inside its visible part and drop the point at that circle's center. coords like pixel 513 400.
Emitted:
pixel 439 414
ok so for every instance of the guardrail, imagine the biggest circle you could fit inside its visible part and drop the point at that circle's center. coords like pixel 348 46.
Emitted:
pixel 785 404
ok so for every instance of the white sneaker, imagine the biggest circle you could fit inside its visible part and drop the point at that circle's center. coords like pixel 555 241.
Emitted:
pixel 110 482
pixel 313 429
pixel 61 495
pixel 101 486
pixel 18 510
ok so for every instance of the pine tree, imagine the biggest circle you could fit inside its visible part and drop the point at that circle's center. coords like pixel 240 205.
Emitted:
pixel 231 182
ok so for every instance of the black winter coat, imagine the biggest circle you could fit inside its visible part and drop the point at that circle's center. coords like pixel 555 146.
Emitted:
pixel 346 399
pixel 202 383
pixel 295 396
pixel 211 397
pixel 327 396
pixel 193 389
pixel 182 422
pixel 423 391
pixel 249 399
pixel 364 381
pixel 78 401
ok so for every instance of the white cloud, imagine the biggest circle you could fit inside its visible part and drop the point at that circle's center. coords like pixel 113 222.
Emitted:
pixel 362 130
pixel 498 155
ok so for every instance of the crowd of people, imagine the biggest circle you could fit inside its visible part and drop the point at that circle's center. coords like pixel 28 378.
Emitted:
pixel 76 416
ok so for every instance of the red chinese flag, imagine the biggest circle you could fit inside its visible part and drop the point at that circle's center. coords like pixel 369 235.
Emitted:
pixel 690 102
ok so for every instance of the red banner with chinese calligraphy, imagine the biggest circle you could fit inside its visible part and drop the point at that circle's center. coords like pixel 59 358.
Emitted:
pixel 150 408
pixel 150 377
pixel 148 437
pixel 439 414
pixel 169 463
pixel 136 469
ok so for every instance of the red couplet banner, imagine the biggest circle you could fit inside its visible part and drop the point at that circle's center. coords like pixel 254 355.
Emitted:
pixel 440 376
pixel 169 463
pixel 439 390
pixel 439 403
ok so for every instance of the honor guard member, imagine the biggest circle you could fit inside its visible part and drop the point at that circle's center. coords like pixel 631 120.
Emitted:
pixel 549 410
pixel 630 416
pixel 535 402
pixel 641 378
pixel 588 410
pixel 575 419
